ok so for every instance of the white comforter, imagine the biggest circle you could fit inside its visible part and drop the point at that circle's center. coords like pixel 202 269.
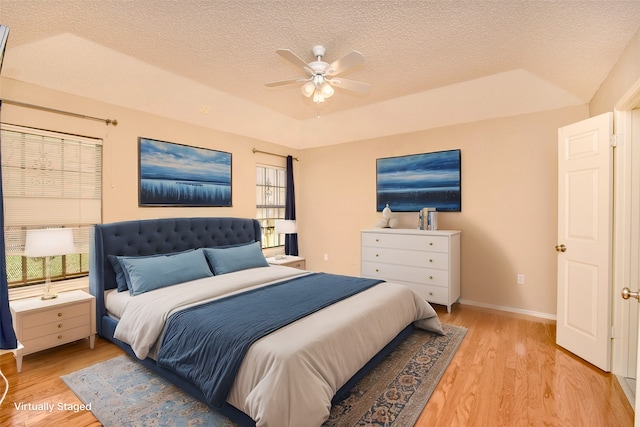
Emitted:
pixel 289 377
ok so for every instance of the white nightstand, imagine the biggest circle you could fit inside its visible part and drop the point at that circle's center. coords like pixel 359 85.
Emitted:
pixel 42 324
pixel 289 261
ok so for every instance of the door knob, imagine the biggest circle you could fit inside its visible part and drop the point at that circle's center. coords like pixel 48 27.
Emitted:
pixel 561 248
pixel 626 294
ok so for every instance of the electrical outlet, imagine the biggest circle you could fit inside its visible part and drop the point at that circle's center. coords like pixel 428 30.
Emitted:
pixel 520 279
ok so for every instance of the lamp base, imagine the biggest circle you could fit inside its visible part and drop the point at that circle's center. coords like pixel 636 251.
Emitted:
pixel 49 295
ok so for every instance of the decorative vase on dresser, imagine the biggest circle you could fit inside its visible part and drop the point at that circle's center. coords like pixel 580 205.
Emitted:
pixel 426 261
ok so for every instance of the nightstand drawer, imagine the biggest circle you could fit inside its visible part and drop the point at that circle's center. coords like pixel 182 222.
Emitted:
pixel 55 315
pixel 56 339
pixel 55 327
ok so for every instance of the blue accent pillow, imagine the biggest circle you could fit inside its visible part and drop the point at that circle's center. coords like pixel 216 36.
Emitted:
pixel 236 258
pixel 149 273
pixel 121 278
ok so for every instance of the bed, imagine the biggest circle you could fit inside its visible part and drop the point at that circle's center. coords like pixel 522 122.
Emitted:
pixel 292 362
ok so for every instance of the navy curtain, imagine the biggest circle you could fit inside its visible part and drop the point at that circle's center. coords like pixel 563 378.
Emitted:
pixel 7 335
pixel 290 240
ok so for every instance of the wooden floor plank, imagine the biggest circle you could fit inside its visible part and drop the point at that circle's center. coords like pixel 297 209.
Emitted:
pixel 507 372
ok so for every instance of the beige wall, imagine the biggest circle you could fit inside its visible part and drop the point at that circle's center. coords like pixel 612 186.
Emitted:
pixel 623 77
pixel 509 204
pixel 508 216
pixel 120 150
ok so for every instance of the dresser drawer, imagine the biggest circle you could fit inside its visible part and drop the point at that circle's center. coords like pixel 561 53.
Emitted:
pixel 436 260
pixel 411 242
pixel 434 294
pixel 425 276
pixel 55 327
pixel 53 315
pixel 59 338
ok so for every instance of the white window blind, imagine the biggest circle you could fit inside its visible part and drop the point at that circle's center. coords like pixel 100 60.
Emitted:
pixel 271 191
pixel 49 180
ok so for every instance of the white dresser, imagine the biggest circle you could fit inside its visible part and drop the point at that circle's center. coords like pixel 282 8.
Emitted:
pixel 426 261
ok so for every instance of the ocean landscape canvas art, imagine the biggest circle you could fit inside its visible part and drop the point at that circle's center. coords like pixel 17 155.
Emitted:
pixel 179 175
pixel 410 183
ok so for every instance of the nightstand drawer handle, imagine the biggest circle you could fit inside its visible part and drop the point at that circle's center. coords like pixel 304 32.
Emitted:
pixel 60 325
pixel 59 314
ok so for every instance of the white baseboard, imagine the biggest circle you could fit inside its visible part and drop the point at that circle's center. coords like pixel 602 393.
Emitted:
pixel 510 309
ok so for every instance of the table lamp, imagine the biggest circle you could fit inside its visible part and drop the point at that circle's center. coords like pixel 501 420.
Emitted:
pixel 285 226
pixel 47 243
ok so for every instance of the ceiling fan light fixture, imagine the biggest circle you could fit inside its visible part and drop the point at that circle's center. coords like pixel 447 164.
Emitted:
pixel 321 76
pixel 308 88
pixel 326 89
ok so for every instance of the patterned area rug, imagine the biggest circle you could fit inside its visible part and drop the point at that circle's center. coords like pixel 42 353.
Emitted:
pixel 124 393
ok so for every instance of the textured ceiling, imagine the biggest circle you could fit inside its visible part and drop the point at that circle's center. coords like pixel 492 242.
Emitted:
pixel 206 62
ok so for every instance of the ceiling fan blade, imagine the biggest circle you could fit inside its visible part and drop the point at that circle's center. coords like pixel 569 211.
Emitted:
pixel 285 82
pixel 351 85
pixel 350 60
pixel 293 58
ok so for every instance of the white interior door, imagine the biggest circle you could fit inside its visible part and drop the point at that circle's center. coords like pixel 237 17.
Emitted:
pixel 584 239
pixel 631 342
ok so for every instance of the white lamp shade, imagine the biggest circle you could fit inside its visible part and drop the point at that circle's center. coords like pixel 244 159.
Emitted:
pixel 326 89
pixel 286 226
pixel 49 242
pixel 308 88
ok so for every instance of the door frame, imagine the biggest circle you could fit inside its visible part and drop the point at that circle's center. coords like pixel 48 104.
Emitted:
pixel 623 264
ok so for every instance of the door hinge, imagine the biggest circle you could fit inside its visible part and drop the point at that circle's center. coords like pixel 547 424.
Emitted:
pixel 613 140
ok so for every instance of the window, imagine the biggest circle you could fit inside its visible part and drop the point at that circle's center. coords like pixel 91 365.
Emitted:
pixel 271 193
pixel 49 180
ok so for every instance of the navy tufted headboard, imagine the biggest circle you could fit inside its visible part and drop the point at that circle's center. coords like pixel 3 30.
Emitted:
pixel 157 236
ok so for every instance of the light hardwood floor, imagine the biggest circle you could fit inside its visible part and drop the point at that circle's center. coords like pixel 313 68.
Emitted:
pixel 507 372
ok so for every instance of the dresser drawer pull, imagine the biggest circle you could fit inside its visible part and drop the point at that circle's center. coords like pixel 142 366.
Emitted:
pixel 377 255
pixel 430 277
pixel 377 270
pixel 59 325
pixel 59 337
pixel 430 294
pixel 430 260
pixel 377 240
pixel 430 243
pixel 59 314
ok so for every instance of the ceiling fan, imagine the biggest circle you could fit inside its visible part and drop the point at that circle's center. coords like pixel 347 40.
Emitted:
pixel 322 76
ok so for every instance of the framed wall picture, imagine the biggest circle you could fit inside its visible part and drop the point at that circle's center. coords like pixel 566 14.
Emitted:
pixel 411 183
pixel 179 175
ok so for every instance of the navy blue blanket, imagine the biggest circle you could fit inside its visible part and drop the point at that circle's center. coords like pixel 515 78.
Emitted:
pixel 207 343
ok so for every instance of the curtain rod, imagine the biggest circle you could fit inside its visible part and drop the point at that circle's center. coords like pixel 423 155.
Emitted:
pixel 255 150
pixel 113 122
